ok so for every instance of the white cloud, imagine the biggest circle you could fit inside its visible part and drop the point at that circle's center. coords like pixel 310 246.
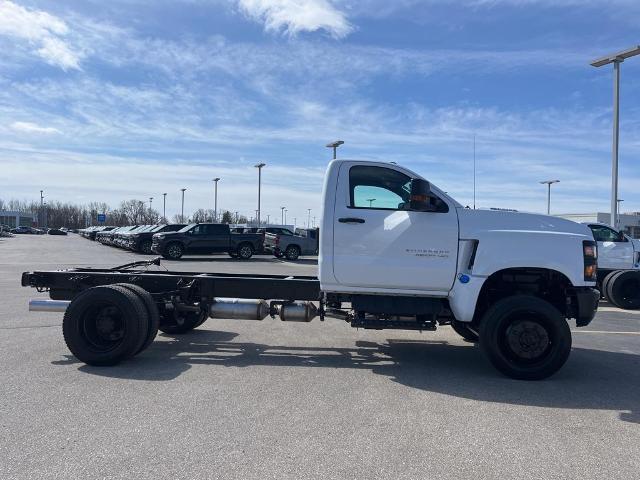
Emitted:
pixel 41 30
pixel 295 16
pixel 28 127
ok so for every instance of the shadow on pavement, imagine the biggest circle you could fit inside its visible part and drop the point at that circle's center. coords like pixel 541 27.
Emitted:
pixel 591 379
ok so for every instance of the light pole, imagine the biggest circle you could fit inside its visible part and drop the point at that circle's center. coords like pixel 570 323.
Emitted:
pixel 282 215
pixel 150 204
pixel 259 167
pixel 616 59
pixel 164 207
pixel 41 217
pixel 335 146
pixel 182 209
pixel 371 200
pixel 618 211
pixel 215 208
pixel 308 218
pixel 548 183
pixel 268 216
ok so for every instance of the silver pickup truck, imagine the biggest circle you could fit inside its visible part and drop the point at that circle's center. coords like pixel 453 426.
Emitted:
pixel 304 242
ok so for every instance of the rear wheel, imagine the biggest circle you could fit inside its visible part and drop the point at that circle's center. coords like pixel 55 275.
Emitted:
pixel 152 312
pixel 623 289
pixel 292 252
pixel 176 322
pixel 605 283
pixel 525 337
pixel 245 251
pixel 105 325
pixel 462 329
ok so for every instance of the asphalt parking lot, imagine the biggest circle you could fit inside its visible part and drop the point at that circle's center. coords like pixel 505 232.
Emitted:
pixel 242 399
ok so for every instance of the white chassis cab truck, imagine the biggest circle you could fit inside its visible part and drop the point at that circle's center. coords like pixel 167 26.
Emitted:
pixel 395 253
pixel 618 266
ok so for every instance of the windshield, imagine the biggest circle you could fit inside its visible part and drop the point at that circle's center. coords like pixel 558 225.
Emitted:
pixel 187 228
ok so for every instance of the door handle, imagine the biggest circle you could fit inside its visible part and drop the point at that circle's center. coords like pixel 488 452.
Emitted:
pixel 351 220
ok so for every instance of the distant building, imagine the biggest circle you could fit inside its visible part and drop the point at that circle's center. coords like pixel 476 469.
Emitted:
pixel 629 223
pixel 18 219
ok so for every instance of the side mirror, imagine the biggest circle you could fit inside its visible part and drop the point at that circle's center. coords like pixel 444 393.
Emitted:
pixel 421 197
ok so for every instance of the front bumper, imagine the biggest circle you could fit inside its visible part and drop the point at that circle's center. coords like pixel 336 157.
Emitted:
pixel 586 304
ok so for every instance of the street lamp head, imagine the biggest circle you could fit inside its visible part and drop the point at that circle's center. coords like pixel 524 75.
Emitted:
pixel 182 189
pixel 216 179
pixel 616 57
pixel 260 165
pixel 549 182
pixel 335 144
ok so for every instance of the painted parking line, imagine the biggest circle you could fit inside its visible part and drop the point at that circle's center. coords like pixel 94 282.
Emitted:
pixel 618 310
pixel 605 331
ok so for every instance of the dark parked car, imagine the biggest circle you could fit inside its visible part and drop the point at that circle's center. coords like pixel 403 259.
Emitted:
pixel 206 238
pixel 56 231
pixel 142 241
pixel 27 230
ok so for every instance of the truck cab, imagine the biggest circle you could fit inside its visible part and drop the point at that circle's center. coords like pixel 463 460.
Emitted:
pixel 392 243
pixel 616 251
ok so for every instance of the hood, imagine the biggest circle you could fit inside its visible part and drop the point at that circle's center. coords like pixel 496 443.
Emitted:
pixel 474 223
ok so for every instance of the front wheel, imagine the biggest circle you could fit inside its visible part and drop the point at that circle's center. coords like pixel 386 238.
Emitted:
pixel 145 247
pixel 525 337
pixel 174 251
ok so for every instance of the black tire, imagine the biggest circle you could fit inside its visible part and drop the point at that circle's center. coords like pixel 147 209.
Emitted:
pixel 145 247
pixel 605 284
pixel 525 337
pixel 233 254
pixel 174 322
pixel 623 289
pixel 105 325
pixel 462 329
pixel 173 251
pixel 152 312
pixel 292 252
pixel 245 251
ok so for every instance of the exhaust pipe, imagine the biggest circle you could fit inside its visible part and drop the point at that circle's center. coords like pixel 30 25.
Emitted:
pixel 298 312
pixel 56 306
pixel 239 309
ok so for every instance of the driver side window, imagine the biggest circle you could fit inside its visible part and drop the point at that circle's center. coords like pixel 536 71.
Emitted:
pixel 378 188
pixel 605 234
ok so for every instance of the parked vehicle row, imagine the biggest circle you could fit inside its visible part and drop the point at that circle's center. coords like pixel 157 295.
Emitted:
pixel 24 230
pixel 172 241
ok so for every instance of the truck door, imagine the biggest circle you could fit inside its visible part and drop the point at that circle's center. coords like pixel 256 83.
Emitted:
pixel 379 243
pixel 207 238
pixel 615 251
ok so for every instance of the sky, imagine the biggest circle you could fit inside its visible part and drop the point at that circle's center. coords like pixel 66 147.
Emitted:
pixel 109 101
